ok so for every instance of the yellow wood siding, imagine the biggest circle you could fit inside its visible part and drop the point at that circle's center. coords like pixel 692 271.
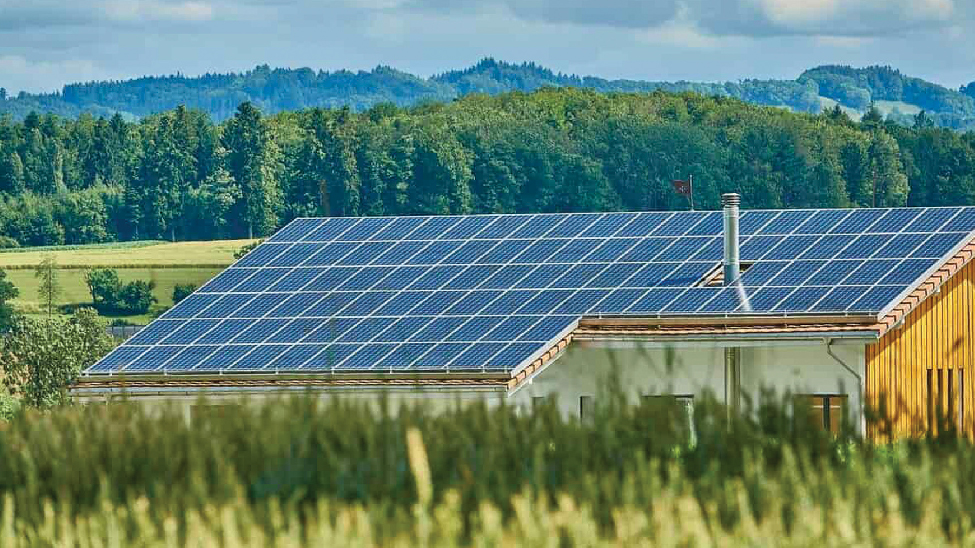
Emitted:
pixel 936 336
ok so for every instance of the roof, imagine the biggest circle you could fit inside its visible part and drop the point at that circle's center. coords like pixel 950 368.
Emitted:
pixel 495 293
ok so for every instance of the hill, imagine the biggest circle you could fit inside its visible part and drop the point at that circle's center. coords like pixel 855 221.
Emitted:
pixel 276 90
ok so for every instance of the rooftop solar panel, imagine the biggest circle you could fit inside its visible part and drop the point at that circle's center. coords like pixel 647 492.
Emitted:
pixel 487 292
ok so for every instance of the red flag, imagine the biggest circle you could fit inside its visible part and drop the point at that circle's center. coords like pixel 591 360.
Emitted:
pixel 682 187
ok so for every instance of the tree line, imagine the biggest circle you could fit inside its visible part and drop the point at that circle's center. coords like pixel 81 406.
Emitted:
pixel 178 175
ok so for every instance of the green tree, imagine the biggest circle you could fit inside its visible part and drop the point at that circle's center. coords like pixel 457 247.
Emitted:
pixel 8 292
pixel 49 283
pixel 252 161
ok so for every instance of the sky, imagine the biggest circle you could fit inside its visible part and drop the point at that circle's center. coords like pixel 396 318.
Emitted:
pixel 45 44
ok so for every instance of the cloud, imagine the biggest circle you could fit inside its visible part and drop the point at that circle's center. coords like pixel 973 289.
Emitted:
pixel 22 74
pixel 32 14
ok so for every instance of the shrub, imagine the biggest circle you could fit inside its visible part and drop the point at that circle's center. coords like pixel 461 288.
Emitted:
pixel 181 291
pixel 247 249
pixel 6 242
pixel 110 296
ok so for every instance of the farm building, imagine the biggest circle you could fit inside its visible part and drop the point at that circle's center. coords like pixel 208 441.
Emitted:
pixel 840 307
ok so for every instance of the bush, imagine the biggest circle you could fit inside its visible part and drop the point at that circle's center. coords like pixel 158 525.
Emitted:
pixel 181 291
pixel 111 297
pixel 6 242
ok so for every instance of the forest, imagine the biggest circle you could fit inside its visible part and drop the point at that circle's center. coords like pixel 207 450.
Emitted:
pixel 276 90
pixel 178 175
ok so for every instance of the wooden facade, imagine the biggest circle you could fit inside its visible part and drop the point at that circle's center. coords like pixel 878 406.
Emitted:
pixel 922 366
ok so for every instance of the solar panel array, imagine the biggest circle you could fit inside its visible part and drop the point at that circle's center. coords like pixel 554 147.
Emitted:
pixel 489 292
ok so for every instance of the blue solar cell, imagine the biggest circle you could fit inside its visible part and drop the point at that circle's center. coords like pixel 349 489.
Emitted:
pixel 753 221
pixel 652 274
pixel 611 250
pixel 503 227
pixel 608 225
pixel 435 252
pixel 188 359
pixel 687 274
pixel 575 251
pixel 509 302
pixel 796 273
pixel 833 273
pixel 828 246
pixel 468 227
pixel 293 358
pixel 858 221
pixel 224 331
pixel 330 304
pixel 647 249
pixel 938 245
pixel 802 299
pixel 403 329
pixel 403 303
pixel 692 299
pixel 545 302
pixel 367 357
pixel 261 280
pixel 294 331
pixel 439 356
pixel 366 253
pixel 822 221
pixel 678 225
pixel 712 251
pixel 581 302
pixel 155 332
pixel 296 230
pixel 475 328
pixel 870 271
pixel 541 277
pixel 295 255
pixel 864 246
pixel 118 358
pixel 766 299
pixel 226 306
pixel 711 225
pixel 539 251
pixel 729 299
pixel 368 303
pixel 334 227
pixel 963 222
pixel 472 277
pixel 761 273
pixel 399 253
pixel 895 220
pixel 506 277
pixel 907 272
pixel 644 224
pixel 900 246
pixel 190 331
pixel 154 358
pixel 514 355
pixel 504 252
pixel 262 255
pixel 877 298
pixel 294 305
pixel 437 302
pixel 477 355
pixel 573 225
pixel 654 301
pixel 578 275
pixel 618 301
pixel 260 330
pixel 537 226
pixel 224 357
pixel 470 252
pixel 366 278
pixel 366 330
pixel 365 229
pixel 403 356
pixel 786 222
pixel 399 228
pixel 472 303
pixel 839 298
pixel 932 219
pixel 755 247
pixel 330 254
pixel 296 279
pixel 257 307
pixel 259 358
pixel 436 277
pixel 401 278
pixel 227 280
pixel 331 278
pixel 615 275
pixel 330 358
pixel 330 330
pixel 683 248
pixel 433 228
pixel 548 329
pixel 511 328
pixel 790 248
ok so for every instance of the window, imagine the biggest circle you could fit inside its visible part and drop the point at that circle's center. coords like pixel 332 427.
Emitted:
pixel 946 396
pixel 686 405
pixel 715 278
pixel 537 401
pixel 825 411
pixel 587 409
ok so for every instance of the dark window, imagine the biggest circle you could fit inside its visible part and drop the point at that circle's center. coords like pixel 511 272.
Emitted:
pixel 587 409
pixel 685 404
pixel 824 411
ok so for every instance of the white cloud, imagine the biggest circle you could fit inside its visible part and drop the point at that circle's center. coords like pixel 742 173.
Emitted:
pixel 19 73
pixel 153 10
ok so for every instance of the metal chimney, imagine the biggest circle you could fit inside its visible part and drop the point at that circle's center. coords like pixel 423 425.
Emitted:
pixel 730 202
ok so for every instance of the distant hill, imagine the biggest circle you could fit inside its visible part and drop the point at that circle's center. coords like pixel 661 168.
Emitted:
pixel 898 96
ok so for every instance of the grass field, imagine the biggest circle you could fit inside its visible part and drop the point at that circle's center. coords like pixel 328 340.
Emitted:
pixel 167 264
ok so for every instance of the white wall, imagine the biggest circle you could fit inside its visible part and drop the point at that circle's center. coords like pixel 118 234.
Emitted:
pixel 695 368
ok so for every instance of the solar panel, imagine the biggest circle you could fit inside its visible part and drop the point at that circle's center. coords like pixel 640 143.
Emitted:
pixel 487 292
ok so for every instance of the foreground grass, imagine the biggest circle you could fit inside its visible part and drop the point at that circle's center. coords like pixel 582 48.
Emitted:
pixel 306 473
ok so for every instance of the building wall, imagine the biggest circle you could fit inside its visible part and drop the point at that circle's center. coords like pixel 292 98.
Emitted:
pixel 937 337
pixel 696 368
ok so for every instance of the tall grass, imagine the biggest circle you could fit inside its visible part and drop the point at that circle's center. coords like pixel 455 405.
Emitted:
pixel 305 472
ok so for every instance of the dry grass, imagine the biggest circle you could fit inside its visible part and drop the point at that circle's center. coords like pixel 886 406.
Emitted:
pixel 186 254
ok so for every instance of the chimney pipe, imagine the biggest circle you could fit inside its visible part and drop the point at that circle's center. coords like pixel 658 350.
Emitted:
pixel 730 202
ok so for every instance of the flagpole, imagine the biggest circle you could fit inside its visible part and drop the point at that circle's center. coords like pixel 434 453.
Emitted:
pixel 691 185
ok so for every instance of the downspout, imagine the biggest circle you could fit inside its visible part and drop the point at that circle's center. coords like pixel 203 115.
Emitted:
pixel 732 270
pixel 860 394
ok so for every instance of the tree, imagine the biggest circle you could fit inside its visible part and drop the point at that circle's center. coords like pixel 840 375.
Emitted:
pixel 41 358
pixel 252 160
pixel 49 285
pixel 8 292
pixel 181 291
pixel 110 296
